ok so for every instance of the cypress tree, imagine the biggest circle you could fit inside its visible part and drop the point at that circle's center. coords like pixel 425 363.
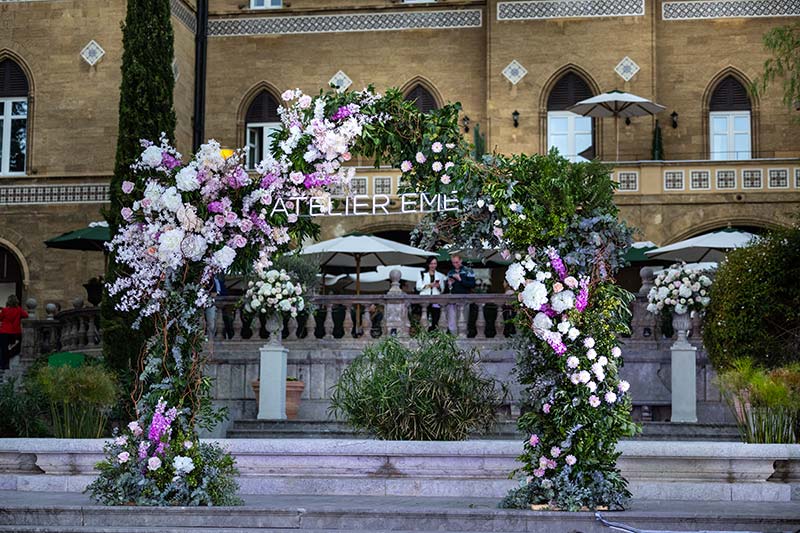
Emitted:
pixel 145 112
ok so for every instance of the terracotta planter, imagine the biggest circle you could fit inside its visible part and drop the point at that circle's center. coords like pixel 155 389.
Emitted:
pixel 293 391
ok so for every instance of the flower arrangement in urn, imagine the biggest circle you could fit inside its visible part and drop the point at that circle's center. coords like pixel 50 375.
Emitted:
pixel 275 291
pixel 680 289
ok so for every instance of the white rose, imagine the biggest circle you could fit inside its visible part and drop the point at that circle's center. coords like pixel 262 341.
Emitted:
pixel 542 322
pixel 186 180
pixel 563 327
pixel 169 242
pixel 515 275
pixel 152 156
pixel 224 257
pixel 573 333
pixel 534 296
pixel 685 291
pixel 172 199
pixel 194 247
pixel 562 301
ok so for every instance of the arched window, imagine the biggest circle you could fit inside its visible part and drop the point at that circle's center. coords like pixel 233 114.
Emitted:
pixel 13 118
pixel 729 121
pixel 567 132
pixel 422 98
pixel 10 275
pixel 262 122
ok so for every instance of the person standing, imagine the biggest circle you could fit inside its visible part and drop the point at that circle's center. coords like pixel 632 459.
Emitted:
pixel 460 280
pixel 432 283
pixel 10 330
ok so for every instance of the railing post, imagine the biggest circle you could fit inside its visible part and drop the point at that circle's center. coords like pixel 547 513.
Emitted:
pixel 480 321
pixel 423 319
pixel 237 324
pixel 328 322
pixel 462 317
pixel 347 323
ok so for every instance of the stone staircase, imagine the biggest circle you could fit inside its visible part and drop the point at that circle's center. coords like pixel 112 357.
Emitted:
pixel 504 430
pixel 73 513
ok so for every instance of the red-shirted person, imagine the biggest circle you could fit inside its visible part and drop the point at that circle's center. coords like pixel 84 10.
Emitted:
pixel 10 330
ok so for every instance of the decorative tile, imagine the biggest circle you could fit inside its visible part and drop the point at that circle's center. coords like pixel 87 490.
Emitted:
pixel 726 179
pixel 514 72
pixel 548 9
pixel 181 12
pixel 715 9
pixel 92 53
pixel 411 20
pixel 673 180
pixel 627 68
pixel 628 181
pixel 54 194
pixel 778 178
pixel 341 81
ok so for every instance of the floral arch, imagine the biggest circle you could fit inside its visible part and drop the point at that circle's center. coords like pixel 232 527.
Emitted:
pixel 189 219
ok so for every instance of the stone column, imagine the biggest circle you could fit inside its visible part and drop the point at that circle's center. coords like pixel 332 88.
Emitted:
pixel 272 374
pixel 395 312
pixel 684 372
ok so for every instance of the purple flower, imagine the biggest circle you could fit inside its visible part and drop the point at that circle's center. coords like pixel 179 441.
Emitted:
pixel 420 157
pixel 570 460
pixel 215 207
pixel 436 147
pixel 546 408
pixel 539 472
pixel 534 440
pixel 582 301
pixel 169 161
pixel 555 451
pixel 127 187
pixel 342 112
pixel 126 213
pixel 556 262
pixel 406 166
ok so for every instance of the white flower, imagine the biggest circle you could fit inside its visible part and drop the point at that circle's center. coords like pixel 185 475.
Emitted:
pixel 602 360
pixel 685 291
pixel 704 301
pixel 571 282
pixel 186 180
pixel 123 457
pixel 563 327
pixel 572 362
pixel 122 440
pixel 515 275
pixel 183 465
pixel 616 351
pixel 224 257
pixel 592 386
pixel 680 309
pixel 172 199
pixel 588 342
pixel 542 322
pixel 570 460
pixel 575 378
pixel 152 156
pixel 135 428
pixel 584 376
pixel 169 243
pixel 573 333
pixel 662 293
pixel 611 397
pixel 534 296
pixel 480 204
pixel 153 464
pixel 624 386
pixel 304 102
pixel 562 301
pixel 591 353
pixel 194 247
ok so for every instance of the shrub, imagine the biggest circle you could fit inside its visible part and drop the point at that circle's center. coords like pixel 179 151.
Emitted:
pixel 766 403
pixel 432 392
pixel 755 304
pixel 23 410
pixel 80 399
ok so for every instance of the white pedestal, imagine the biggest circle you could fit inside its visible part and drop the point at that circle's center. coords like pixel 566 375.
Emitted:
pixel 272 373
pixel 684 382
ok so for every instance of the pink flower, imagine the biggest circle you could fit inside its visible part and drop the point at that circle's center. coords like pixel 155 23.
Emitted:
pixel 347 156
pixel 215 207
pixel 287 95
pixel 445 179
pixel 624 386
pixel 615 351
pixel 245 225
pixel 570 460
pixel 611 397
pixel 557 287
pixel 436 147
pixel 123 457
pixel 292 218
pixel 297 177
pixel 594 401
pixel 231 217
pixel 127 187
pixel 449 165
pixel 551 464
pixel 420 157
pixel 555 451
pixel 304 102
pixel 153 464
pixel 534 440
pixel 539 472
pixel 406 166
pixel 437 166
pixel 498 232
pixel 219 220
pixel 588 342
pixel 546 408
pixel 122 440
pixel 126 213
pixel 135 428
pixel 571 282
pixel 239 242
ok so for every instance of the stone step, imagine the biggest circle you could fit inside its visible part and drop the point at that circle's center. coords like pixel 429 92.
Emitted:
pixel 67 513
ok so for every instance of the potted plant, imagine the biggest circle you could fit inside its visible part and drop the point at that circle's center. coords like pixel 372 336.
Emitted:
pixel 681 291
pixel 294 389
pixel 94 290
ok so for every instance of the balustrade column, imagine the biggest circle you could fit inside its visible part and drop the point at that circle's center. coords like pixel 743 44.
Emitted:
pixel 480 322
pixel 347 323
pixel 328 322
pixel 237 324
pixel 366 322
pixel 423 319
pixel 462 317
pixel 497 321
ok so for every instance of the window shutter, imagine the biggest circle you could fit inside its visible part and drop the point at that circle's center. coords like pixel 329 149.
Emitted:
pixel 422 98
pixel 729 95
pixel 568 91
pixel 264 108
pixel 13 82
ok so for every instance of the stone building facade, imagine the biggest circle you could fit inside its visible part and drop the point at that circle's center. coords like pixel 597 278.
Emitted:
pixel 514 66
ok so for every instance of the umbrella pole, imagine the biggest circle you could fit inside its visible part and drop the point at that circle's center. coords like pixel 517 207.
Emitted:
pixel 616 126
pixel 358 292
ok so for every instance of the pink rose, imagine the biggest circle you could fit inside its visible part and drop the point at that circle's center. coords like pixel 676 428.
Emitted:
pixel 126 213
pixel 557 287
pixel 127 187
pixel 534 440
pixel 219 220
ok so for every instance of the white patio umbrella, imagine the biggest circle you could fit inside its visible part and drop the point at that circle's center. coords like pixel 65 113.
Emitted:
pixel 378 280
pixel 616 104
pixel 704 248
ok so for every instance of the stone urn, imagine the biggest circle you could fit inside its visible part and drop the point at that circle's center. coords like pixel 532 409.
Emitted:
pixel 94 291
pixel 681 324
pixel 294 389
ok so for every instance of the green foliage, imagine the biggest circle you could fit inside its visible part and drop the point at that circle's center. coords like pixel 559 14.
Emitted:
pixel 478 143
pixel 766 403
pixel 303 268
pixel 783 43
pixel 145 112
pixel 432 392
pixel 24 410
pixel 80 399
pixel 755 304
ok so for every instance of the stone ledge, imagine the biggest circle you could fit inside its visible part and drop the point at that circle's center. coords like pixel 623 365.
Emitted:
pixel 714 471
